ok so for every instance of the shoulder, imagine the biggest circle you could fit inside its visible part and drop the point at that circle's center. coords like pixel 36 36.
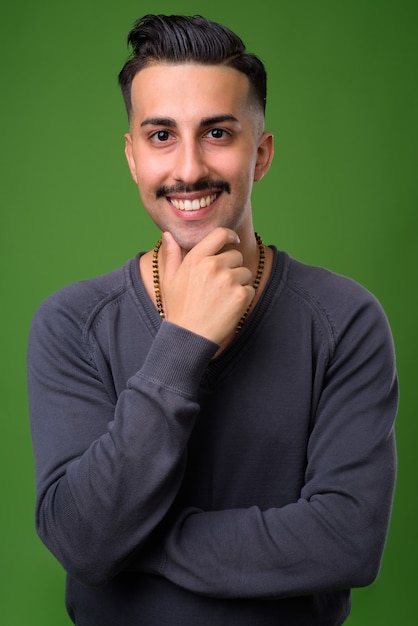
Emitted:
pixel 335 301
pixel 77 305
pixel 323 285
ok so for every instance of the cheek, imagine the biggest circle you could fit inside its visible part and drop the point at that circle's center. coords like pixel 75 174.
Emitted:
pixel 243 175
pixel 234 170
pixel 240 164
pixel 149 175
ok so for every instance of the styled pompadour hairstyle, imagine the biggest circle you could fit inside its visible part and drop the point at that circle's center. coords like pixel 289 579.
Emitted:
pixel 176 39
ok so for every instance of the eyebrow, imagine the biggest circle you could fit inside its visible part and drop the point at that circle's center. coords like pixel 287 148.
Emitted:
pixel 206 121
pixel 158 121
pixel 218 119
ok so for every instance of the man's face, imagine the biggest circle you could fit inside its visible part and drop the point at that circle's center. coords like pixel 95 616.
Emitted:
pixel 195 147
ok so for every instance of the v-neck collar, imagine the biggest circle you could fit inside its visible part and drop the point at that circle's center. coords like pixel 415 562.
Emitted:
pixel 220 365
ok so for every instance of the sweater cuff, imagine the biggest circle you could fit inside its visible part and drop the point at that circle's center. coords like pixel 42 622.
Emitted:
pixel 178 359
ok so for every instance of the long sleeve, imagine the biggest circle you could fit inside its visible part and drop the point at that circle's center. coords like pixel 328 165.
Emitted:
pixel 267 472
pixel 332 536
pixel 108 465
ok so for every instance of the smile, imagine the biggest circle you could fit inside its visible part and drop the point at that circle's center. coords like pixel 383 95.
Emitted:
pixel 193 205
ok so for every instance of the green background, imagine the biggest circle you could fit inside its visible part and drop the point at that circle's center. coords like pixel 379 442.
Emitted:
pixel 342 192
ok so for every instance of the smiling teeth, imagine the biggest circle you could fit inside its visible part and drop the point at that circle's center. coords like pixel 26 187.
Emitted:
pixel 192 205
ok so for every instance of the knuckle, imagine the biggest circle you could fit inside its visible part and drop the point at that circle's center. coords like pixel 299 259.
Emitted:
pixel 239 259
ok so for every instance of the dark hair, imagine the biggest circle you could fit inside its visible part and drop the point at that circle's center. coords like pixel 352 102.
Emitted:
pixel 180 39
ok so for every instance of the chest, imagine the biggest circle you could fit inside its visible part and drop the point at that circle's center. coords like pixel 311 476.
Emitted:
pixel 251 435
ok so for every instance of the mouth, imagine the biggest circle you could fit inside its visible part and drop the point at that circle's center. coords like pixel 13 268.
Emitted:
pixel 193 205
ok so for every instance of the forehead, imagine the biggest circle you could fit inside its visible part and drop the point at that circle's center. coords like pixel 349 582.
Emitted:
pixel 188 90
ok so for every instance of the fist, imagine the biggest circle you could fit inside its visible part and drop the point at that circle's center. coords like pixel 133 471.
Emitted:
pixel 209 289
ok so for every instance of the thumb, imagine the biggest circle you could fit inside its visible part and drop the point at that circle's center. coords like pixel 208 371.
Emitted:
pixel 173 256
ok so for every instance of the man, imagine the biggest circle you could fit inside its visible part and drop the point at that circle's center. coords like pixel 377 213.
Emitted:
pixel 213 422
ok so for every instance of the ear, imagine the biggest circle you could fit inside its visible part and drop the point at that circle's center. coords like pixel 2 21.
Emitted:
pixel 130 157
pixel 265 152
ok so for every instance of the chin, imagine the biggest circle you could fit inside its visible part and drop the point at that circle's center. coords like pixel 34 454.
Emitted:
pixel 188 240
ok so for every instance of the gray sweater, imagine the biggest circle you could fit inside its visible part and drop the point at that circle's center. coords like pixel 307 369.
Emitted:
pixel 176 488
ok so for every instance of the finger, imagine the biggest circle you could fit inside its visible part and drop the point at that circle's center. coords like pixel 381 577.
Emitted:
pixel 230 258
pixel 243 276
pixel 215 241
pixel 173 256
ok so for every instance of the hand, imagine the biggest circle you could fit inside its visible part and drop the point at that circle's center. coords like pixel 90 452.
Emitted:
pixel 208 290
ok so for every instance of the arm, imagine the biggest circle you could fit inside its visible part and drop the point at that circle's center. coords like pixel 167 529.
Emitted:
pixel 332 537
pixel 107 471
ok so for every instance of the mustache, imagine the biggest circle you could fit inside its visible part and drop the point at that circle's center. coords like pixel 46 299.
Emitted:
pixel 200 185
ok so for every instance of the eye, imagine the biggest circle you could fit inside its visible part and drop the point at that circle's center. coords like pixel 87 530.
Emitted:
pixel 161 135
pixel 217 133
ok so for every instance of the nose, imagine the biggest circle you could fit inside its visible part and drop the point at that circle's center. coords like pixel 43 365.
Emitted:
pixel 190 165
